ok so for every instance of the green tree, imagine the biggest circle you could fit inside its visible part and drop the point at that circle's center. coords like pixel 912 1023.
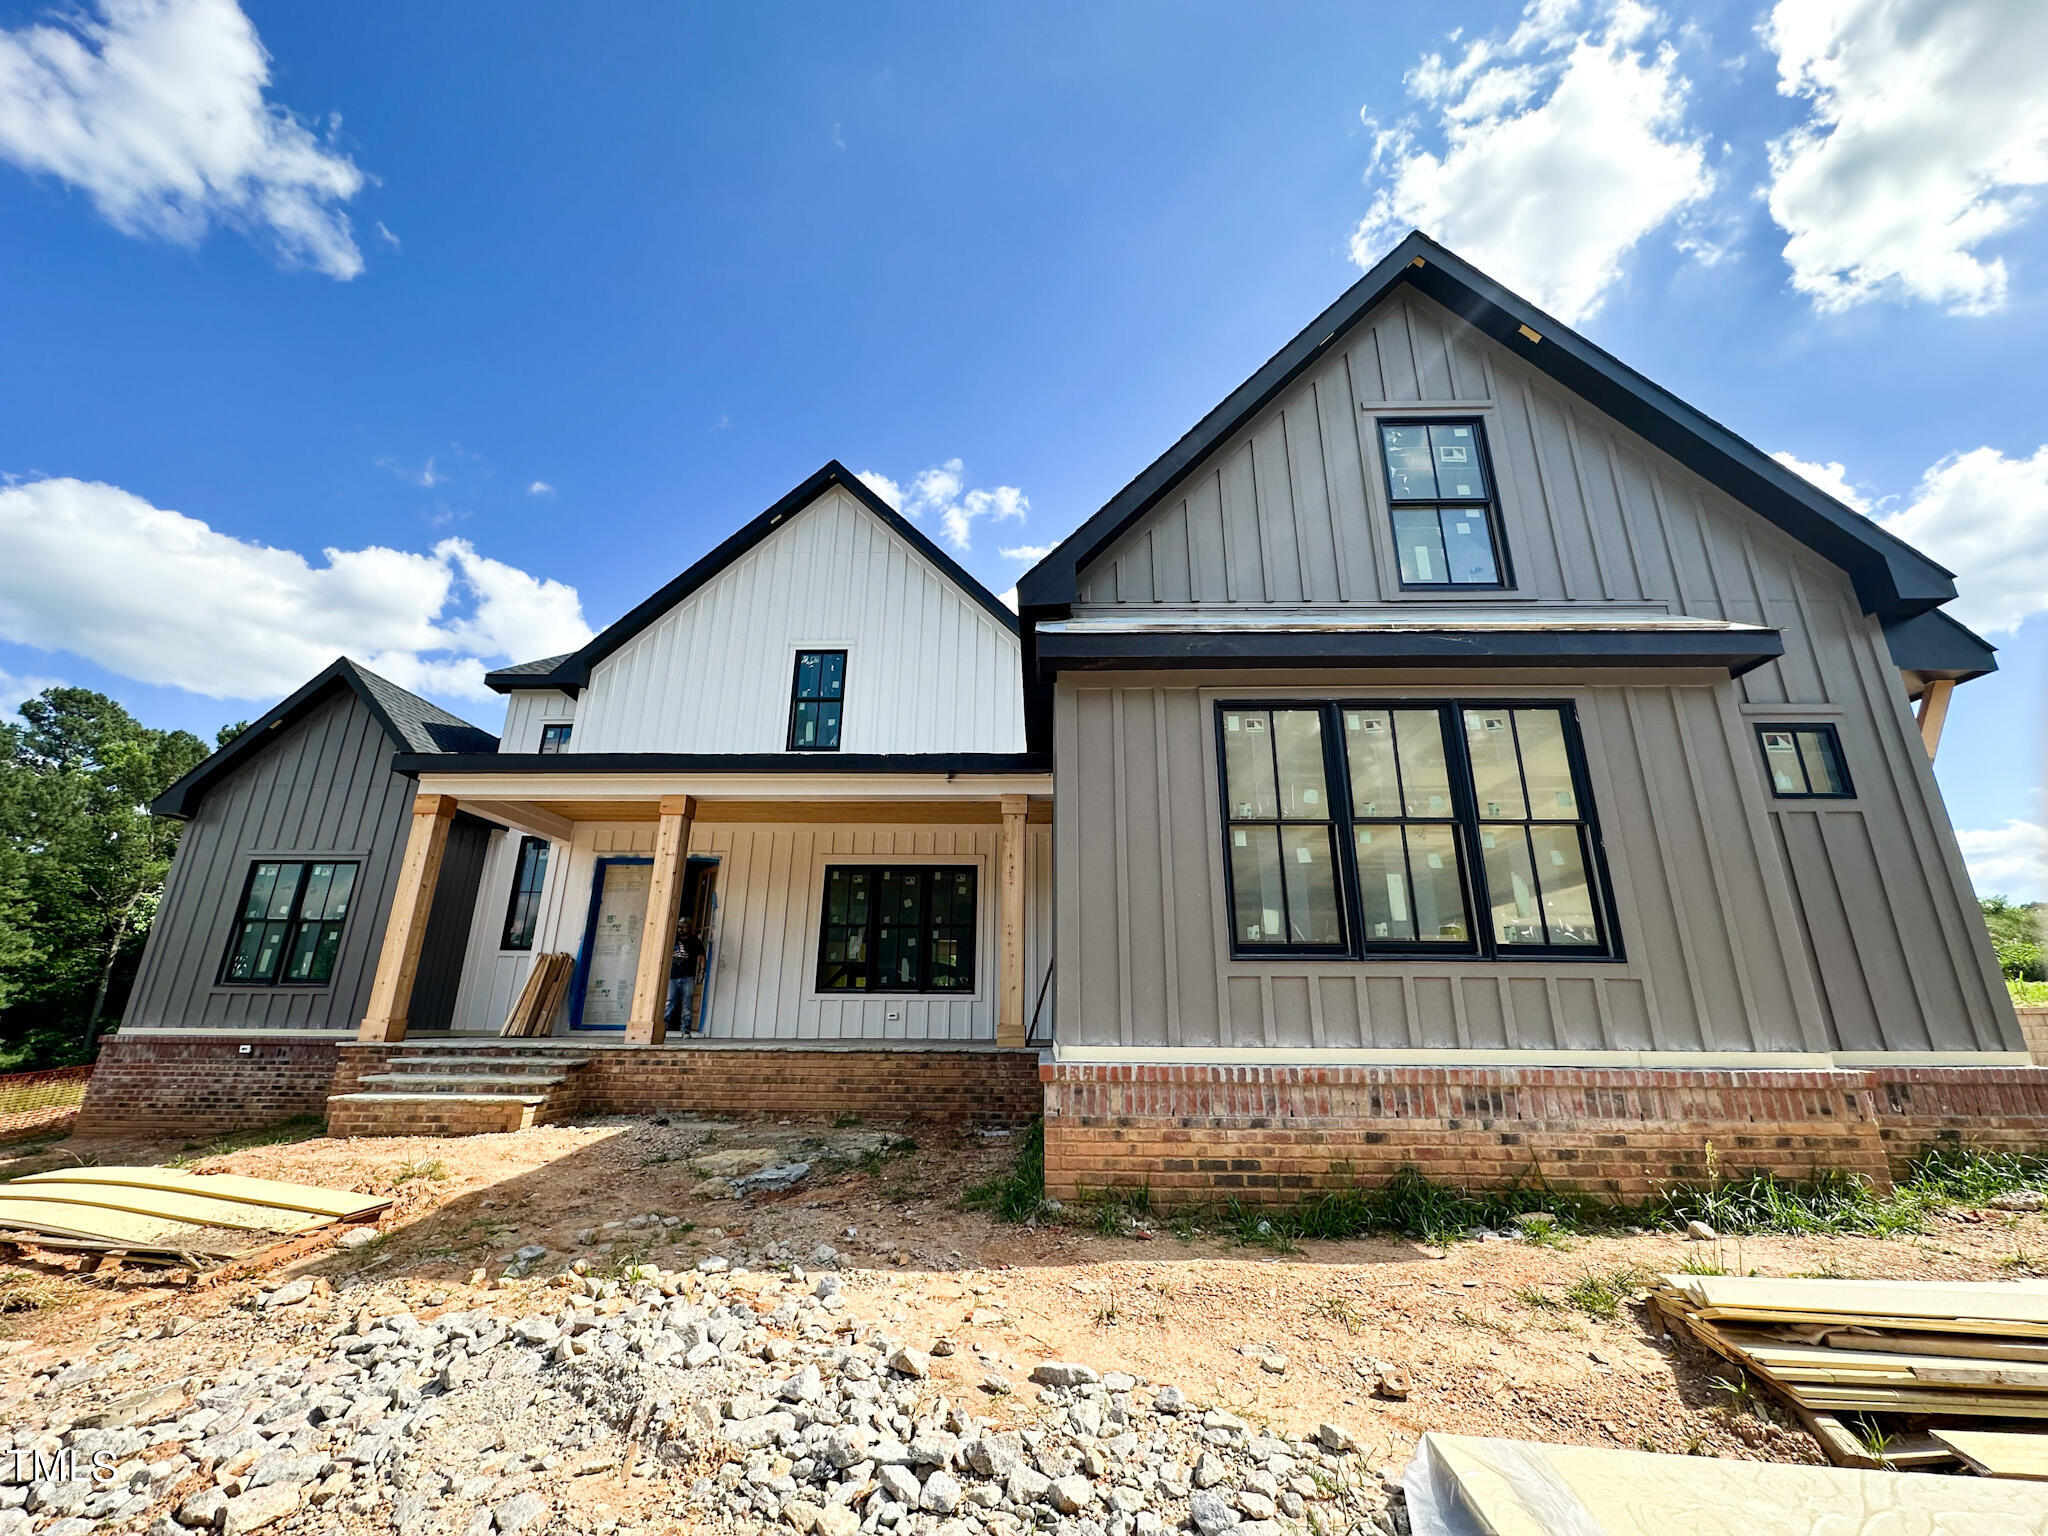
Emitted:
pixel 82 862
pixel 2016 936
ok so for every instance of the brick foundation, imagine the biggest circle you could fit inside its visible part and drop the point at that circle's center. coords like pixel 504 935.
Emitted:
pixel 1277 1134
pixel 2034 1030
pixel 155 1085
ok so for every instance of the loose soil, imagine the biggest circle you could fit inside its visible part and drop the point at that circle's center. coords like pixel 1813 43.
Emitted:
pixel 1487 1332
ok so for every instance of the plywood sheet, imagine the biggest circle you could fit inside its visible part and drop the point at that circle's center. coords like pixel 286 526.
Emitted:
pixel 332 1203
pixel 1523 1488
pixel 207 1210
pixel 97 1224
pixel 2013 1301
pixel 1998 1454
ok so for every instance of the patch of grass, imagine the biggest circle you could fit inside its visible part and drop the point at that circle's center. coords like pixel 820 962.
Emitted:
pixel 2028 994
pixel 1339 1311
pixel 1871 1435
pixel 299 1128
pixel 1018 1195
pixel 1700 1264
pixel 1838 1202
pixel 1743 1397
pixel 1537 1299
pixel 1830 1269
pixel 430 1168
pixel 23 1294
pixel 1602 1293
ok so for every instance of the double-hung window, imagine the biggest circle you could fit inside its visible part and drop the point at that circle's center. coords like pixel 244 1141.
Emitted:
pixel 1466 830
pixel 1446 527
pixel 288 931
pixel 896 928
pixel 816 699
pixel 522 914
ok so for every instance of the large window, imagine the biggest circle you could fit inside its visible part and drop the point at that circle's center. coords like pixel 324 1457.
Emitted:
pixel 891 928
pixel 1439 486
pixel 1805 762
pixel 1468 830
pixel 522 915
pixel 815 701
pixel 289 929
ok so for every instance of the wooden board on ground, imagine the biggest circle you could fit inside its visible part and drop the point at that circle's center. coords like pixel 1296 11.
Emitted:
pixel 1998 1454
pixel 206 1210
pixel 333 1204
pixel 117 1229
pixel 547 982
pixel 1944 1305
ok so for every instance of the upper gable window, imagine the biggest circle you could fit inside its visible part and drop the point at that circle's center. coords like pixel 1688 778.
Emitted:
pixel 815 701
pixel 1440 487
pixel 555 738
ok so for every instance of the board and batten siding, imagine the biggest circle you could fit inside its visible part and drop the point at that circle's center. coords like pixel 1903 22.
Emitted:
pixel 1290 516
pixel 928 669
pixel 527 710
pixel 323 790
pixel 764 940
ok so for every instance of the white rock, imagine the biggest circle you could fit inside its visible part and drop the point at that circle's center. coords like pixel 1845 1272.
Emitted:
pixel 1064 1373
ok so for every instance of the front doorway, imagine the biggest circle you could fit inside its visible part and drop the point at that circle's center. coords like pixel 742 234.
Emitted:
pixel 601 994
pixel 700 906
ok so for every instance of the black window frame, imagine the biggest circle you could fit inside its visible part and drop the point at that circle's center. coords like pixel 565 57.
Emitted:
pixel 1489 505
pixel 797 698
pixel 1833 740
pixel 555 736
pixel 1471 869
pixel 525 896
pixel 291 922
pixel 873 924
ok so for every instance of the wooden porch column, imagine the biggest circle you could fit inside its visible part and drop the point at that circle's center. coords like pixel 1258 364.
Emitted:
pixel 399 960
pixel 1011 1023
pixel 647 1024
pixel 1933 711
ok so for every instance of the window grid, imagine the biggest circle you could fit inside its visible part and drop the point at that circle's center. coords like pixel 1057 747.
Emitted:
pixel 522 912
pixel 1283 883
pixel 1804 761
pixel 817 699
pixel 555 739
pixel 1424 519
pixel 1592 934
pixel 1401 902
pixel 1538 917
pixel 891 928
pixel 288 927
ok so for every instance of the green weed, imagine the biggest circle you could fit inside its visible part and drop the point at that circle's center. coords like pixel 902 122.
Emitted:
pixel 1601 1295
pixel 1018 1195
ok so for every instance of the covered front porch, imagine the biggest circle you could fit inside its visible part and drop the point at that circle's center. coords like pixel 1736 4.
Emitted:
pixel 782 873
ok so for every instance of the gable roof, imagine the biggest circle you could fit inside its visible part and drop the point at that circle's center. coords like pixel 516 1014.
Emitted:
pixel 1893 580
pixel 413 724
pixel 572 672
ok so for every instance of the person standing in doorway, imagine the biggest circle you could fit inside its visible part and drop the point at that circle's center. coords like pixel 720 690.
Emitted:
pixel 686 960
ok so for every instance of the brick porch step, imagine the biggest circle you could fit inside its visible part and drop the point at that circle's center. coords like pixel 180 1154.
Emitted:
pixel 457 1088
pixel 462 1082
pixel 433 1114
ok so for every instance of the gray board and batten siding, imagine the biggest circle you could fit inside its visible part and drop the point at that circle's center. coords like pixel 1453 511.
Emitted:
pixel 1750 923
pixel 322 789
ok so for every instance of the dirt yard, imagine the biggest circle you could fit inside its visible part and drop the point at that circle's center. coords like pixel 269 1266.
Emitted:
pixel 1498 1337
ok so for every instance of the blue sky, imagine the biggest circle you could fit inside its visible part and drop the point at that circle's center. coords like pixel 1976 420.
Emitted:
pixel 517 312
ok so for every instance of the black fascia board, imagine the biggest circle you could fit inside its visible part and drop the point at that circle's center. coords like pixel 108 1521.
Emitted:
pixel 1891 578
pixel 547 764
pixel 182 798
pixel 1151 650
pixel 1935 645
pixel 573 674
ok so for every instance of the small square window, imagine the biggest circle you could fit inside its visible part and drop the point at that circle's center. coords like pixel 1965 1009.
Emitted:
pixel 554 738
pixel 1805 762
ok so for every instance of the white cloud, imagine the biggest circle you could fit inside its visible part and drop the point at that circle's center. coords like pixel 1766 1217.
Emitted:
pixel 1561 150
pixel 1031 553
pixel 162 598
pixel 384 234
pixel 1830 477
pixel 2011 860
pixel 14 690
pixel 941 492
pixel 1927 123
pixel 1985 517
pixel 540 488
pixel 425 477
pixel 155 109
pixel 1008 598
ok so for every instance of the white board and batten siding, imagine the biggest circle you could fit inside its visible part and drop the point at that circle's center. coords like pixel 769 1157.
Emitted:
pixel 764 940
pixel 928 669
pixel 528 711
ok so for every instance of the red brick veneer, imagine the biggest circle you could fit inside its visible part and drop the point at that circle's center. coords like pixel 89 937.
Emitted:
pixel 158 1084
pixel 1274 1134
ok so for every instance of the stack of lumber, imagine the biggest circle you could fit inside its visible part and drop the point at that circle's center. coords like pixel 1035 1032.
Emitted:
pixel 546 985
pixel 1458 1485
pixel 168 1215
pixel 1934 1351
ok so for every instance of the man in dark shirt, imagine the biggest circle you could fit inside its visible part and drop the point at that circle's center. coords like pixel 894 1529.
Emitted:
pixel 684 963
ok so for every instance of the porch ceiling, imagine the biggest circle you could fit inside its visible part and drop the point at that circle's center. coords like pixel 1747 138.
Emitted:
pixel 711 809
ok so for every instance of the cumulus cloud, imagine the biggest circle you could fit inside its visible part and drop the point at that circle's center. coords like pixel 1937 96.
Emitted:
pixel 941 493
pixel 2011 860
pixel 1830 477
pixel 540 488
pixel 1927 124
pixel 1561 148
pixel 1030 553
pixel 160 597
pixel 155 109
pixel 1985 517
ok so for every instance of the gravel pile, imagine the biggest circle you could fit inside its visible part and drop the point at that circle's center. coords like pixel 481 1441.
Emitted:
pixel 752 1398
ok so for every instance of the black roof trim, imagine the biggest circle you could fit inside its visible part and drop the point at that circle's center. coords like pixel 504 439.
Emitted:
pixel 1736 651
pixel 526 674
pixel 416 728
pixel 1892 579
pixel 1935 645
pixel 572 672
pixel 797 763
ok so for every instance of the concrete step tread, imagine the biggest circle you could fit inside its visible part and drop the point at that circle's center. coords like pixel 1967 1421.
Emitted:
pixel 437 1098
pixel 483 1081
pixel 565 1063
